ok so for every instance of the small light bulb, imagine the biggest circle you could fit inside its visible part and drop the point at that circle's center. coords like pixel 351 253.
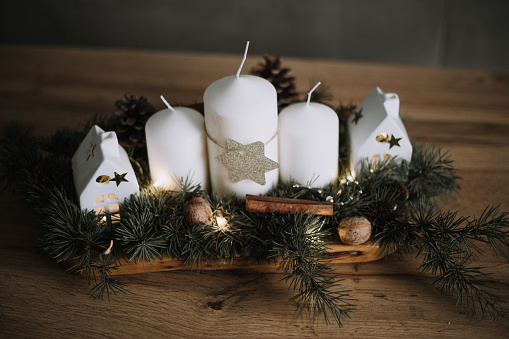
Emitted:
pixel 160 181
pixel 221 222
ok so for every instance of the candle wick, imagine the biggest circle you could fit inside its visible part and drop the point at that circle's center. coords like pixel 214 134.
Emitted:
pixel 312 90
pixel 167 104
pixel 243 60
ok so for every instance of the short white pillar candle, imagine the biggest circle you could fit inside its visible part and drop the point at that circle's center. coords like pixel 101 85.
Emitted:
pixel 308 143
pixel 242 108
pixel 177 148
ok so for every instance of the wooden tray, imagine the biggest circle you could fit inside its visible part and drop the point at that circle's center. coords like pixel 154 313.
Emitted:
pixel 339 254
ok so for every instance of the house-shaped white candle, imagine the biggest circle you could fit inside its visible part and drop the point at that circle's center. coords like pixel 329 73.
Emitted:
pixel 103 174
pixel 376 130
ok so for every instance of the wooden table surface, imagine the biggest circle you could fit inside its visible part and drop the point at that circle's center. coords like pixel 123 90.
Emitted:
pixel 52 87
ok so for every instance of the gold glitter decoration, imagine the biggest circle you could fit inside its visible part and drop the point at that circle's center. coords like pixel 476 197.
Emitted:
pixel 103 179
pixel 246 161
pixel 90 151
pixel 394 141
pixel 382 137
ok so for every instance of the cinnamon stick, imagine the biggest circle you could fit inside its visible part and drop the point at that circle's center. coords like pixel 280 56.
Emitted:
pixel 263 204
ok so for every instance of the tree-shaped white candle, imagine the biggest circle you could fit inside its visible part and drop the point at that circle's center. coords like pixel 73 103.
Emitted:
pixel 308 143
pixel 241 123
pixel 177 148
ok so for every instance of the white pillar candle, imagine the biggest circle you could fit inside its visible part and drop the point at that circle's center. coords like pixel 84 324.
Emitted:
pixel 308 143
pixel 177 148
pixel 242 108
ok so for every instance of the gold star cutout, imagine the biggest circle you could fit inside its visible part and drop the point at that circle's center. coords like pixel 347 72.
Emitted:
pixel 247 161
pixel 357 116
pixel 90 151
pixel 119 178
pixel 394 141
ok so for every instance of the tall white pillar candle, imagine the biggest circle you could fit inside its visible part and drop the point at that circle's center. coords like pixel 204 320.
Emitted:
pixel 242 108
pixel 177 148
pixel 308 143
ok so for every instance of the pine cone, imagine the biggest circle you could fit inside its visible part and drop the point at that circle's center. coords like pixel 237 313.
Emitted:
pixel 380 209
pixel 280 78
pixel 403 191
pixel 344 112
pixel 130 118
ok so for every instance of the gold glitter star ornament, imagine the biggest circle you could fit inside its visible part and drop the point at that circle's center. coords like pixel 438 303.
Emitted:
pixel 246 161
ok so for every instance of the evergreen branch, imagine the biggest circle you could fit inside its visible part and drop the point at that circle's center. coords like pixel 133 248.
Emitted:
pixel 225 239
pixel 263 230
pixel 106 284
pixel 197 249
pixel 226 231
pixel 447 242
pixel 68 231
pixel 139 236
pixel 465 282
pixel 397 236
pixel 187 185
pixel 19 156
pixel 63 142
pixel 175 237
pixel 302 251
pixel 374 174
pixel 431 172
pixel 372 186
pixel 490 228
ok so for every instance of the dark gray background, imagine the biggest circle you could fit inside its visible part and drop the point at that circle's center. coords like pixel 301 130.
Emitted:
pixel 470 34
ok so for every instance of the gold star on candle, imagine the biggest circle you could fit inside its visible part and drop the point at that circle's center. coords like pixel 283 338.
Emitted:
pixel 394 141
pixel 246 161
pixel 90 151
pixel 357 116
pixel 119 178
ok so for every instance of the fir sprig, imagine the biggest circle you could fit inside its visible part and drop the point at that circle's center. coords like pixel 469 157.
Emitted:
pixel 197 250
pixel 302 253
pixel 431 172
pixel 448 243
pixel 67 231
pixel 139 236
pixel 19 156
pixel 105 284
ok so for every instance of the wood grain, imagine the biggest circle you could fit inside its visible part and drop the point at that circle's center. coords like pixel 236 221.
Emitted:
pixel 55 87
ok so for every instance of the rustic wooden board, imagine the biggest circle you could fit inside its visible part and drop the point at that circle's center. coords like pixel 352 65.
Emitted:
pixel 339 254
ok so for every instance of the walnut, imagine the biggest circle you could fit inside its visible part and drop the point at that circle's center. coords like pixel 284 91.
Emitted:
pixel 196 211
pixel 354 230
